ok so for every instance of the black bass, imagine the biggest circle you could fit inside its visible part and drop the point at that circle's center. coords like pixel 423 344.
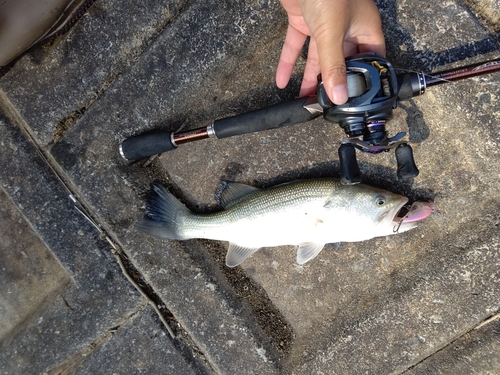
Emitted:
pixel 306 213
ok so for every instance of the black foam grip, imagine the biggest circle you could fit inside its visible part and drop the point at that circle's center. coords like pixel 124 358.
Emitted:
pixel 406 164
pixel 272 117
pixel 146 145
pixel 349 169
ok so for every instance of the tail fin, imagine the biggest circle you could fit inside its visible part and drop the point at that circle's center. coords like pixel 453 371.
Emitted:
pixel 163 214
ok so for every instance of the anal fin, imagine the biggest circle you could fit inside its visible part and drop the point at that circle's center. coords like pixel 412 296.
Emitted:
pixel 308 251
pixel 333 245
pixel 236 254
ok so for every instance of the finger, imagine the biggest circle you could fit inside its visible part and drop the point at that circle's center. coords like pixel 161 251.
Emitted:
pixel 311 71
pixel 377 46
pixel 350 49
pixel 334 81
pixel 368 36
pixel 294 41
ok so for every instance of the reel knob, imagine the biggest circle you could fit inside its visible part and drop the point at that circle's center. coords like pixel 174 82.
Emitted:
pixel 406 163
pixel 349 169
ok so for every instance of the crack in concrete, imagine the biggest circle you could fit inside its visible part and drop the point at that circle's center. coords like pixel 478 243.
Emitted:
pixel 69 121
pixel 66 303
pixel 181 340
pixel 492 318
pixel 488 16
pixel 489 319
pixel 67 366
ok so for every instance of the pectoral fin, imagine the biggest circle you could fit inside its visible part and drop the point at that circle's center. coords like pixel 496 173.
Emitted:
pixel 308 251
pixel 236 254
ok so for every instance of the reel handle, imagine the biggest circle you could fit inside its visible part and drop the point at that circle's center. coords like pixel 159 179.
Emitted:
pixel 406 163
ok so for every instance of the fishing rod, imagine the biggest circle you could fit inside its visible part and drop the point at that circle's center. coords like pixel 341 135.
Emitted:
pixel 374 90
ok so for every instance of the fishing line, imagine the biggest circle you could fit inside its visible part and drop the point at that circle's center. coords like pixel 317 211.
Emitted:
pixel 425 75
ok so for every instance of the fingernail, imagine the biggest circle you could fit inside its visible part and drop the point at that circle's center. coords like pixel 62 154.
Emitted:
pixel 339 94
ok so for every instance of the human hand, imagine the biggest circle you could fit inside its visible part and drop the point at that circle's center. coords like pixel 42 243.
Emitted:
pixel 338 28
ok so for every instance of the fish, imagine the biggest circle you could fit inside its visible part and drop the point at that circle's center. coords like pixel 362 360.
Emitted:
pixel 305 213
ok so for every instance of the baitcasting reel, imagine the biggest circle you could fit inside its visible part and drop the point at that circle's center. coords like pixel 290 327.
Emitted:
pixel 374 90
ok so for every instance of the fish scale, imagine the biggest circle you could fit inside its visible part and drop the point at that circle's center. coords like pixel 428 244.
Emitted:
pixel 261 201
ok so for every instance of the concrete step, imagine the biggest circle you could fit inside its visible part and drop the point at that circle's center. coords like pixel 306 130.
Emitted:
pixel 65 301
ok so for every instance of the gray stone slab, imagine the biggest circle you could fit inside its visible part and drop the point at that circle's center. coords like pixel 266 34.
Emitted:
pixel 98 297
pixel 31 277
pixel 451 288
pixel 67 77
pixel 458 180
pixel 168 74
pixel 355 272
pixel 139 346
pixel 474 353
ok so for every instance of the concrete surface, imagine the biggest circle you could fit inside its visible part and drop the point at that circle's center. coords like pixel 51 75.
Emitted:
pixel 31 275
pixel 105 299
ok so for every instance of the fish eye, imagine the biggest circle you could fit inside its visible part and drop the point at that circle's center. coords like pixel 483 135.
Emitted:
pixel 380 201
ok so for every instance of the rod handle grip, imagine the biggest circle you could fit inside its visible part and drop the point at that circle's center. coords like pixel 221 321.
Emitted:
pixel 146 145
pixel 272 117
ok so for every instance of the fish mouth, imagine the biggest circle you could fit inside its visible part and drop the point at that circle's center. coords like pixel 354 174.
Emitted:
pixel 409 214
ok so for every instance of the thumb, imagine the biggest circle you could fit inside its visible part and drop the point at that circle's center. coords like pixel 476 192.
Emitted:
pixel 333 74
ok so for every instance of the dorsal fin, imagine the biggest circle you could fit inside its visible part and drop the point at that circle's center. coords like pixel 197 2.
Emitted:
pixel 229 193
